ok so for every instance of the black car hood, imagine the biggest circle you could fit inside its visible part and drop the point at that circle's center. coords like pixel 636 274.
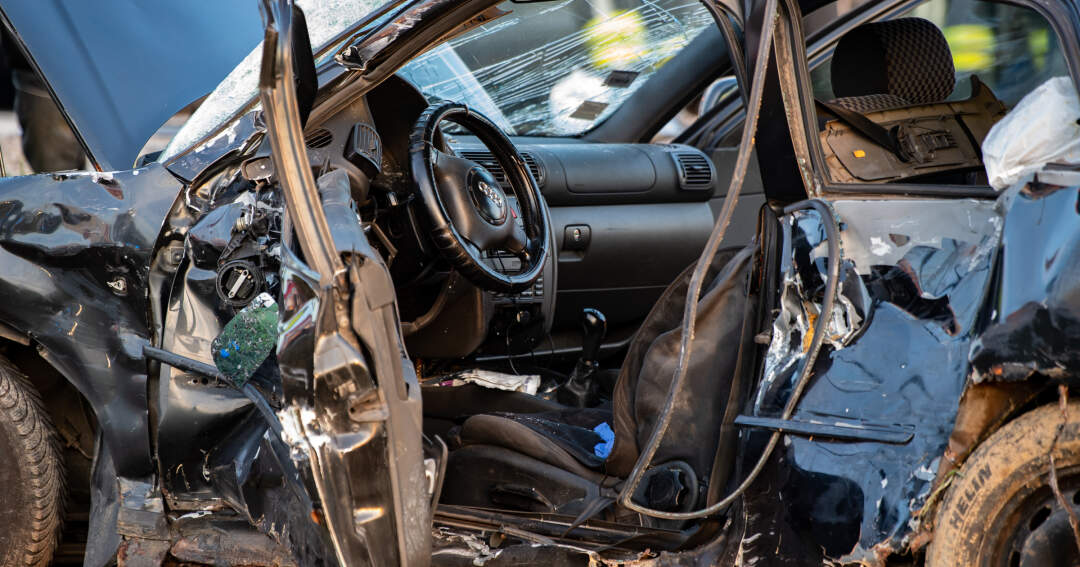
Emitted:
pixel 121 68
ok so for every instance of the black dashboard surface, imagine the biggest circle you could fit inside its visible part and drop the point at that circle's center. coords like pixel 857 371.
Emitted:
pixel 627 219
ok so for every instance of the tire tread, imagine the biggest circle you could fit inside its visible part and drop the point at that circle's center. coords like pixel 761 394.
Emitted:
pixel 24 415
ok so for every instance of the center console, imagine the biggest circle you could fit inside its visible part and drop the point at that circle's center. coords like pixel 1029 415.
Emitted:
pixel 522 320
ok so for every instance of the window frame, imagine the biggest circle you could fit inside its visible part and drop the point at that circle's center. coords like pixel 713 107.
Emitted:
pixel 822 45
pixel 796 86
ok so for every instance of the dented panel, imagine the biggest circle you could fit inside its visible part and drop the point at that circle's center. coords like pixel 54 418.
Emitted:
pixel 1035 323
pixel 916 274
pixel 76 250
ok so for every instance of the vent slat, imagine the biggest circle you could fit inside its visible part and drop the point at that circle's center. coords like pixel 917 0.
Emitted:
pixel 320 138
pixel 694 170
pixel 488 161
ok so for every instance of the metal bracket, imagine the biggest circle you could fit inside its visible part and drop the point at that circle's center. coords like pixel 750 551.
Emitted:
pixel 895 435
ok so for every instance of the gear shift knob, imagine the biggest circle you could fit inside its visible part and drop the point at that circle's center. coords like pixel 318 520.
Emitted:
pixel 580 390
pixel 594 326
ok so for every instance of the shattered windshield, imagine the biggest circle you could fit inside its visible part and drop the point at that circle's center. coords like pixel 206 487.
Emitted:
pixel 326 20
pixel 558 68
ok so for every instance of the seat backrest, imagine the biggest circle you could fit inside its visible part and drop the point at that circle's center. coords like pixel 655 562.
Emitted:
pixel 649 367
pixel 890 64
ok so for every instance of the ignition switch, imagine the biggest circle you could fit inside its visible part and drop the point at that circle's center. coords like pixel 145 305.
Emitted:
pixel 238 282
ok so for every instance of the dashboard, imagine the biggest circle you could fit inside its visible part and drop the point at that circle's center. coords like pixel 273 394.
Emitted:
pixel 625 220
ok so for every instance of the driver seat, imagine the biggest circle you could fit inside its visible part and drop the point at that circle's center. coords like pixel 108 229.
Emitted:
pixel 566 460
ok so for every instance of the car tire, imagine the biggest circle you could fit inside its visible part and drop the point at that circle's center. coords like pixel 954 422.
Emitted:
pixel 1000 509
pixel 31 475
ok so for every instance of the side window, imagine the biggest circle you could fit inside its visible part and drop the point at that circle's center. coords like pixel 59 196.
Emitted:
pixel 719 92
pixel 1009 48
pixel 884 87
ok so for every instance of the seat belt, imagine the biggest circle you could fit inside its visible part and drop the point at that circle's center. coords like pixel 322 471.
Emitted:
pixel 864 126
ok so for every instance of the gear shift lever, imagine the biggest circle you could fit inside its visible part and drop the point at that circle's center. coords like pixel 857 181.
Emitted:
pixel 581 390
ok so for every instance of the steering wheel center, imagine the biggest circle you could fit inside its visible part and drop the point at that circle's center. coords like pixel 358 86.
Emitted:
pixel 467 208
pixel 487 196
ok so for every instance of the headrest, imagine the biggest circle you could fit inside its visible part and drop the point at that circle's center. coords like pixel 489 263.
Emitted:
pixel 906 57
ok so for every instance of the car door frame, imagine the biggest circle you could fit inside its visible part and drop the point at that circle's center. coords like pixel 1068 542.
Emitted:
pixel 352 400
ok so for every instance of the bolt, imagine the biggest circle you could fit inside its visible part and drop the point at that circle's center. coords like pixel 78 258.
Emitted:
pixel 118 285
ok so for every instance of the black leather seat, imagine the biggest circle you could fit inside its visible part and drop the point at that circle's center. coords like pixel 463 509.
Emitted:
pixel 562 459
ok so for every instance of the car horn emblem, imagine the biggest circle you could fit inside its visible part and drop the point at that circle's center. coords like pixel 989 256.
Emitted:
pixel 488 198
pixel 492 194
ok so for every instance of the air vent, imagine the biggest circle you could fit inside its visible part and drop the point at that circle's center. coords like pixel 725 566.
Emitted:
pixel 320 138
pixel 695 172
pixel 534 168
pixel 484 158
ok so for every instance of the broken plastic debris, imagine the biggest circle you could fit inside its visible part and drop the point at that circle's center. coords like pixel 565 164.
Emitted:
pixel 605 432
pixel 528 383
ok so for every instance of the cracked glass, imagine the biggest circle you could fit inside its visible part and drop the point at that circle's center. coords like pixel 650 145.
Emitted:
pixel 558 68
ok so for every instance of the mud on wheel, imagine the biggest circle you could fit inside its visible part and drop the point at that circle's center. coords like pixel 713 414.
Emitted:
pixel 1000 510
pixel 31 477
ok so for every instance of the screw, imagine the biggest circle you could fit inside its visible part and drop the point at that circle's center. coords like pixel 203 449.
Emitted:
pixel 118 285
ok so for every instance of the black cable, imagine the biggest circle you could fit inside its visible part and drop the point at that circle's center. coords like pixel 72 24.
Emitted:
pixel 510 355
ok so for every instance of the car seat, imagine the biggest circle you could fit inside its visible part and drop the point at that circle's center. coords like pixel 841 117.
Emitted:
pixel 567 460
pixel 892 81
pixel 892 64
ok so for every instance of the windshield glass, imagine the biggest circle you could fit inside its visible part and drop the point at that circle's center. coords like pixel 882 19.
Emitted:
pixel 558 68
pixel 326 20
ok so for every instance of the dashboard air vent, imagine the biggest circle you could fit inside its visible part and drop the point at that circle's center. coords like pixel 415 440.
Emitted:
pixel 320 138
pixel 695 172
pixel 484 158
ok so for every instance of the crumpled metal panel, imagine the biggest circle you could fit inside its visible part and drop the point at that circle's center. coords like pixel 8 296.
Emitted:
pixel 354 422
pixel 1035 322
pixel 75 253
pixel 915 276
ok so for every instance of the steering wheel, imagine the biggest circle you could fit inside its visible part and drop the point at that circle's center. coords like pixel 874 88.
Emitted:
pixel 467 208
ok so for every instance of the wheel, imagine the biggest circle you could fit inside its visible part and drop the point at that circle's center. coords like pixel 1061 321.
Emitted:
pixel 1000 511
pixel 31 477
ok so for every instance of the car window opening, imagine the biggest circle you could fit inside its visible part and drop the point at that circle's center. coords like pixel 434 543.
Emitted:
pixel 911 100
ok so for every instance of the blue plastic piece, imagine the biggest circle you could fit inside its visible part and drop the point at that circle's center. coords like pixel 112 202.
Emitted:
pixel 605 432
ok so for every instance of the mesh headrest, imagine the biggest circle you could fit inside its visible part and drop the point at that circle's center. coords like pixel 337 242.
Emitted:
pixel 906 57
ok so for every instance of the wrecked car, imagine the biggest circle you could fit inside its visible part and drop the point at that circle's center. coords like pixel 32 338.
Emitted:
pixel 415 285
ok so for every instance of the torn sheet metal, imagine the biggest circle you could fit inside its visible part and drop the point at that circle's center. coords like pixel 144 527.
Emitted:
pixel 352 400
pixel 231 139
pixel 1035 322
pixel 916 274
pixel 76 250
